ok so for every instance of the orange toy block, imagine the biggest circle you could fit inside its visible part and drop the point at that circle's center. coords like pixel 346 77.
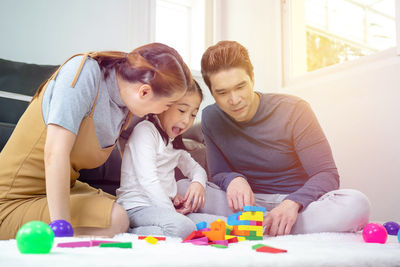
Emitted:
pixel 218 226
pixel 215 235
pixel 236 231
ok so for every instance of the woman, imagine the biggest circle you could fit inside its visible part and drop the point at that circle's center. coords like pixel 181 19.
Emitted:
pixel 72 123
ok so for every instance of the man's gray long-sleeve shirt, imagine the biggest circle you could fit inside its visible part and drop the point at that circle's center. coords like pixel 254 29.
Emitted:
pixel 281 150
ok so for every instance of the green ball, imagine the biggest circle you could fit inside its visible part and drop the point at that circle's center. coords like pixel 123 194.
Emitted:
pixel 35 237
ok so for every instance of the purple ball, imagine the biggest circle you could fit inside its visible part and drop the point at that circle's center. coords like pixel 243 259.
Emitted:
pixel 61 228
pixel 392 228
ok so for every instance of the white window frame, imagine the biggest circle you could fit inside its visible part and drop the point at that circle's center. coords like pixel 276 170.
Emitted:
pixel 288 55
pixel 144 23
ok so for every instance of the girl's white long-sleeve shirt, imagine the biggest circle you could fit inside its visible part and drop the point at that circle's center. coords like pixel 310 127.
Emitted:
pixel 147 172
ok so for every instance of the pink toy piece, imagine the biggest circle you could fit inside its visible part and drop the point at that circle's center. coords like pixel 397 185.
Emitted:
pixel 82 244
pixel 79 244
pixel 374 233
pixel 205 230
pixel 200 243
pixel 221 242
pixel 201 239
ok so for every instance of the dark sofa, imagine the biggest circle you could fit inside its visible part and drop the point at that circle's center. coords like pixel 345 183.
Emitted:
pixel 19 82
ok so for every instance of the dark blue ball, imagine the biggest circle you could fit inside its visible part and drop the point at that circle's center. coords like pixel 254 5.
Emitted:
pixel 61 228
pixel 391 227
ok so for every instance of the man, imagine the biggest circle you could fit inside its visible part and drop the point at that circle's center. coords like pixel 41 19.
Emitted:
pixel 269 150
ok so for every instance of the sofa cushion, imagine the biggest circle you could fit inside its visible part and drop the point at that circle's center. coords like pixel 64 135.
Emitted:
pixel 23 78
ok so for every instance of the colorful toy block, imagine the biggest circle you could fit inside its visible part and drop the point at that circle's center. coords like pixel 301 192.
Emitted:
pixel 198 241
pixel 239 238
pixel 252 216
pixel 232 240
pixel 201 225
pixel 236 231
pixel 219 246
pixel 253 237
pixel 194 235
pixel 215 235
pixel 268 249
pixel 117 245
pixel 221 242
pixel 254 208
pixel 81 244
pixel 257 246
pixel 151 240
pixel 159 238
pixel 257 229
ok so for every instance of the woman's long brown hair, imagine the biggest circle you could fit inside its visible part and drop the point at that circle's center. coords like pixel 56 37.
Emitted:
pixel 155 64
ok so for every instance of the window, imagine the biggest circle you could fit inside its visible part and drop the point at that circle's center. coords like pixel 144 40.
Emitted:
pixel 321 33
pixel 181 25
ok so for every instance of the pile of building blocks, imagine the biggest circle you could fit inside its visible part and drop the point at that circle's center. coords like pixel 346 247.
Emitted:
pixel 243 225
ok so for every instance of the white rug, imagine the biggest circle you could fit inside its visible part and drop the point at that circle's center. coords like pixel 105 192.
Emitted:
pixel 325 249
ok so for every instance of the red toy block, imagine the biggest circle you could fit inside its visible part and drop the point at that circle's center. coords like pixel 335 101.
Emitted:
pixel 270 250
pixel 159 238
pixel 233 240
pixel 194 235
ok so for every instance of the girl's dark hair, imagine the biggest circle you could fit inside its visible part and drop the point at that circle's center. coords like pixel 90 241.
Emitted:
pixel 178 142
pixel 155 64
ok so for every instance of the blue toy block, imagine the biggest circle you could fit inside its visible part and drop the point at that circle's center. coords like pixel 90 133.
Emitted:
pixel 201 225
pixel 233 219
pixel 254 208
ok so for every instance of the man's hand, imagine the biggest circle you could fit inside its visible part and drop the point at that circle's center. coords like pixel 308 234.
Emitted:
pixel 195 196
pixel 239 194
pixel 280 220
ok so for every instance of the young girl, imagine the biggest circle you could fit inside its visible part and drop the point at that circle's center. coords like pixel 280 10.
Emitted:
pixel 148 188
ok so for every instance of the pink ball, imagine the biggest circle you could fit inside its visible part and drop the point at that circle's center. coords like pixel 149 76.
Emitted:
pixel 374 233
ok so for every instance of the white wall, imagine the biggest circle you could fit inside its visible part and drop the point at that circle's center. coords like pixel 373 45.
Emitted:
pixel 358 107
pixel 48 32
pixel 257 27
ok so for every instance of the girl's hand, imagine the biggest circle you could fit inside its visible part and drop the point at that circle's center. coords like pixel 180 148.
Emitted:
pixel 195 196
pixel 179 202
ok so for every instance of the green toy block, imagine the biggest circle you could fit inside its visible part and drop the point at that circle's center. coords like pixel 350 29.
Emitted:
pixel 228 231
pixel 253 233
pixel 219 246
pixel 254 237
pixel 117 245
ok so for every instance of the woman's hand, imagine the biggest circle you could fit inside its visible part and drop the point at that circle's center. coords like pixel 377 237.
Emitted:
pixel 195 196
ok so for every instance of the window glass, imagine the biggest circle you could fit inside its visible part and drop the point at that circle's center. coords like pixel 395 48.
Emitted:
pixel 180 24
pixel 339 30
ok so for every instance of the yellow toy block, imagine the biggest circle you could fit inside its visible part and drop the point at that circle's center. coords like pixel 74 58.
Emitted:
pixel 151 240
pixel 241 238
pixel 230 227
pixel 252 216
